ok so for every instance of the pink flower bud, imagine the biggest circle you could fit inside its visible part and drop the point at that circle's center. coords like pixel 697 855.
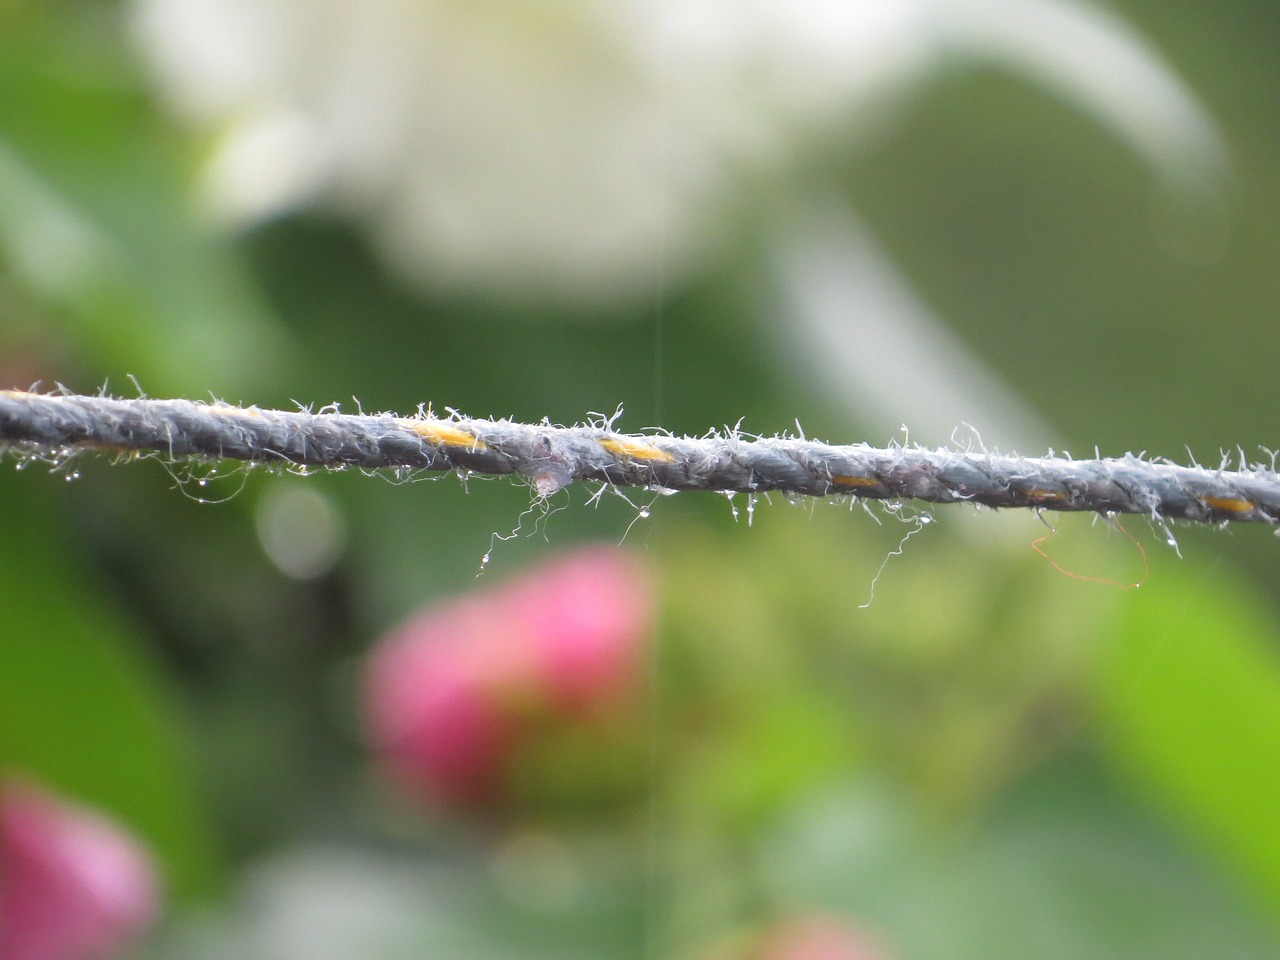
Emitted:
pixel 73 885
pixel 450 695
pixel 816 938
pixel 433 705
pixel 803 937
pixel 586 615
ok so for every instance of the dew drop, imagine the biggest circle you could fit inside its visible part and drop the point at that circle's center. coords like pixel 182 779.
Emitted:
pixel 733 506
pixel 644 513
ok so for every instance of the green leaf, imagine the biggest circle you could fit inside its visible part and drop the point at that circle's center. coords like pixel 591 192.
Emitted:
pixel 95 221
pixel 1060 868
pixel 1190 692
pixel 81 709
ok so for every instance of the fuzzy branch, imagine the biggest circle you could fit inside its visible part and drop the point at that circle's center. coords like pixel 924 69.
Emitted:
pixel 551 457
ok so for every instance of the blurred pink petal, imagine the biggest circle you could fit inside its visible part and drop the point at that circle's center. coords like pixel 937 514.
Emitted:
pixel 587 615
pixel 73 885
pixel 818 938
pixel 452 694
pixel 431 709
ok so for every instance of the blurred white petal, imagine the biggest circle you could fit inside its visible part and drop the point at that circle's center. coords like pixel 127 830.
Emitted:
pixel 213 58
pixel 42 237
pixel 585 150
pixel 268 166
pixel 1102 66
pixel 877 348
pixel 319 903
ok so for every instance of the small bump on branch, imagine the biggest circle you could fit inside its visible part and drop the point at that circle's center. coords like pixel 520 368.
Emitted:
pixel 551 457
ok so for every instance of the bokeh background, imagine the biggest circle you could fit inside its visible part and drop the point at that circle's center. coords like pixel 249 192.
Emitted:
pixel 1002 225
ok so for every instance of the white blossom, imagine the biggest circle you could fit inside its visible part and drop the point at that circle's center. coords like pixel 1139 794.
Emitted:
pixel 585 150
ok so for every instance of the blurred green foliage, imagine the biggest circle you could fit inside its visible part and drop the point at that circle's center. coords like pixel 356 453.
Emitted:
pixel 993 760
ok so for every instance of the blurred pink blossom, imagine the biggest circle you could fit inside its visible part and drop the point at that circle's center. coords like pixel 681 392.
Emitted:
pixel 585 616
pixel 817 937
pixel 452 694
pixel 811 936
pixel 73 885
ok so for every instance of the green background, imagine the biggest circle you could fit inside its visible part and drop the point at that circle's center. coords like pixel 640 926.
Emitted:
pixel 993 760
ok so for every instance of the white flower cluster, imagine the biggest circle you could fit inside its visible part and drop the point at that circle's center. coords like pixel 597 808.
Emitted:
pixel 585 149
